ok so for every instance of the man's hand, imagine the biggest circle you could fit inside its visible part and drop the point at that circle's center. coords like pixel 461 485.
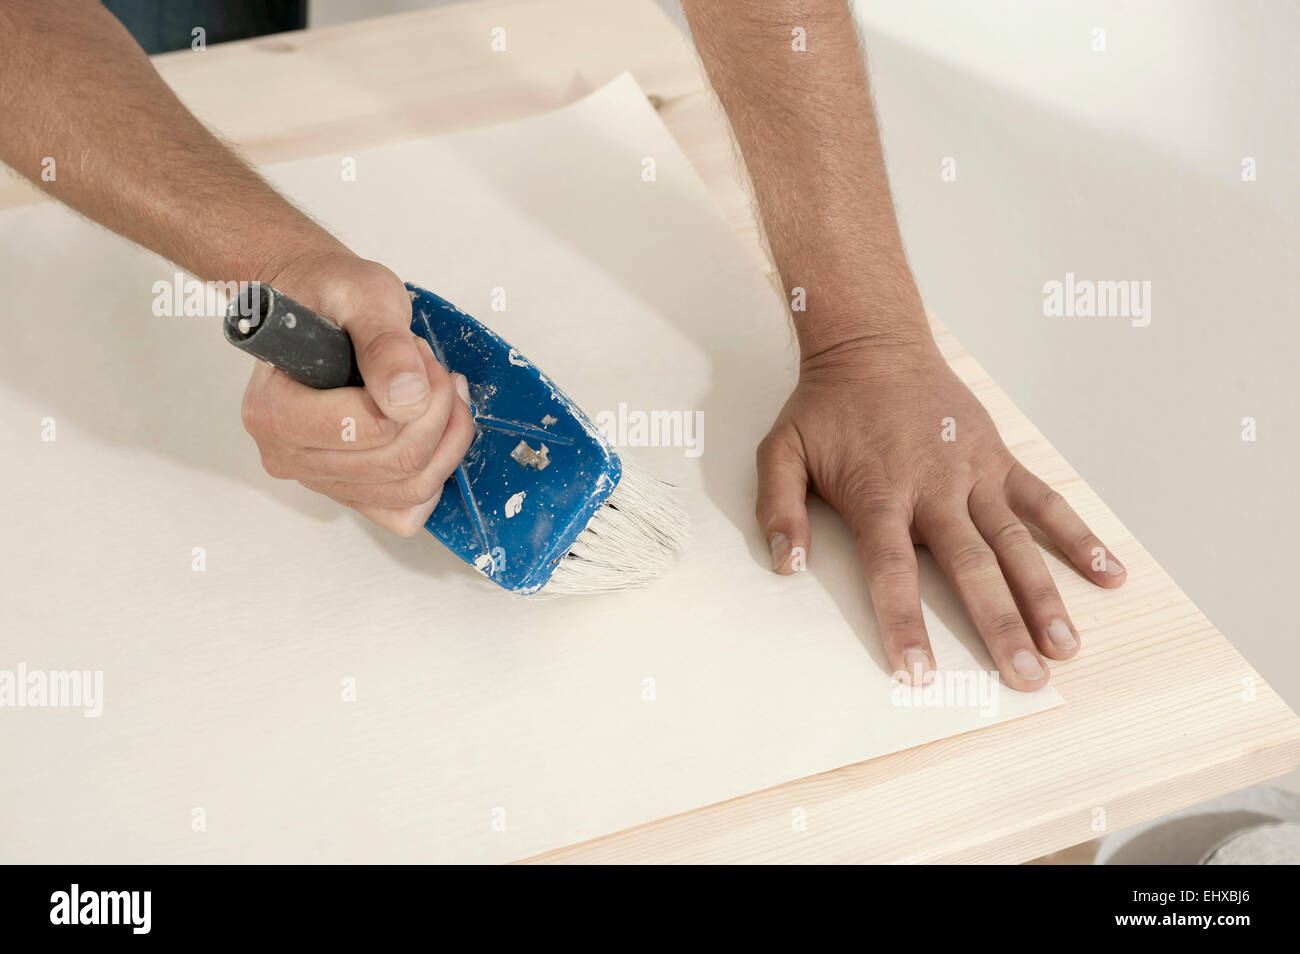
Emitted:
pixel 865 428
pixel 384 450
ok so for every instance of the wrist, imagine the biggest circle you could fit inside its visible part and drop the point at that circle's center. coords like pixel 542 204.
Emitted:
pixel 879 327
pixel 287 251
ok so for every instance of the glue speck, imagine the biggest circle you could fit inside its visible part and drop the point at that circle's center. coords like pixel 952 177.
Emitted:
pixel 525 456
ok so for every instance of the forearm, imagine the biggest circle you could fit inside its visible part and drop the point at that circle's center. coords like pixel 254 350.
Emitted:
pixel 76 89
pixel 807 129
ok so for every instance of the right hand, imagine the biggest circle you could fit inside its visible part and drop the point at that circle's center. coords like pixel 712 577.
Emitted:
pixel 409 426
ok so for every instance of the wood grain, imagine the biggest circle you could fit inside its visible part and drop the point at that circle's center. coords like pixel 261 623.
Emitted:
pixel 1161 711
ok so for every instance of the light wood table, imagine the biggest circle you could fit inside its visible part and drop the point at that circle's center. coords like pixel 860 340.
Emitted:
pixel 1161 711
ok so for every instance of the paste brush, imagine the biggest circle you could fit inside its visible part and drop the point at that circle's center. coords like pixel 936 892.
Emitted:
pixel 541 503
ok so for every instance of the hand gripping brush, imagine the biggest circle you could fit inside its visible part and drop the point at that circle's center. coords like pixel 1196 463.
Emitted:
pixel 541 502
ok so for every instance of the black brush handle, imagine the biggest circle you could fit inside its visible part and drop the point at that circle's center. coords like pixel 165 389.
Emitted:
pixel 292 338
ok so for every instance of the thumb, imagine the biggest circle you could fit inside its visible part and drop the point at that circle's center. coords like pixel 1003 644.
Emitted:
pixel 781 504
pixel 390 362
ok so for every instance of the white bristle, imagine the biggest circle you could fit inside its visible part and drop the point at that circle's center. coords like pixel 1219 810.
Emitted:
pixel 631 540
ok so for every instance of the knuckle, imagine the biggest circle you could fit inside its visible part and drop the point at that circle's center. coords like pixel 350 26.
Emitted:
pixel 1043 593
pixel 417 490
pixel 1010 534
pixel 380 431
pixel 375 347
pixel 367 289
pixel 408 493
pixel 771 515
pixel 864 494
pixel 972 558
pixel 771 449
pixel 856 488
pixel 431 486
pixel 411 458
pixel 1007 625
pixel 871 504
pixel 376 282
pixel 1086 541
pixel 891 563
pixel 252 415
pixel 275 465
pixel 408 525
pixel 1050 502
pixel 903 621
pixel 1000 466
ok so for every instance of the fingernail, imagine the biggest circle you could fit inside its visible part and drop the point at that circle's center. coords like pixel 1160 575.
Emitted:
pixel 1062 637
pixel 780 545
pixel 406 389
pixel 917 663
pixel 462 388
pixel 1026 664
pixel 1113 566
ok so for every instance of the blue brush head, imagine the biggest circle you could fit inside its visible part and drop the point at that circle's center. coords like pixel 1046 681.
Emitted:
pixel 540 500
pixel 537 471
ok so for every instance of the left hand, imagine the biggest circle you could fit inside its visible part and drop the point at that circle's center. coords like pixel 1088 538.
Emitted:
pixel 865 429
